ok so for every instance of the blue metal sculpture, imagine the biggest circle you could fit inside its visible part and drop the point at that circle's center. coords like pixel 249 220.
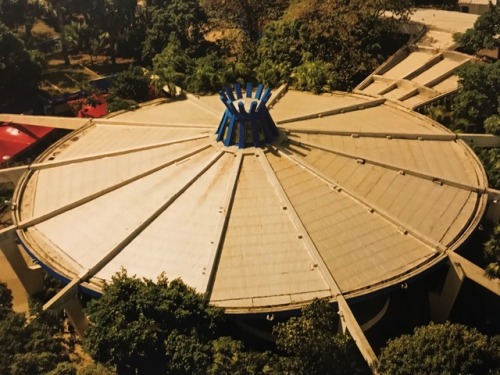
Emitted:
pixel 251 126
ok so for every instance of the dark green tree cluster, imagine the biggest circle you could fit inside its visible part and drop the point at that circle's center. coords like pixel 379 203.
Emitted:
pixel 446 349
pixel 315 45
pixel 330 45
pixel 484 34
pixel 162 327
pixel 20 68
pixel 492 253
pixel 27 348
pixel 314 346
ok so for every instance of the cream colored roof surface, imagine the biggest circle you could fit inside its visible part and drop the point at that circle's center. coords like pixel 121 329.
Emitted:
pixel 415 76
pixel 357 194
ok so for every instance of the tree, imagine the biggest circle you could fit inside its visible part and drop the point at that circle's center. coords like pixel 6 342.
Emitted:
pixel 118 16
pixel 20 69
pixel 492 253
pixel 27 348
pixel 249 15
pixel 5 300
pixel 478 97
pixel 484 34
pixel 17 13
pixel 230 357
pixel 314 345
pixel 183 20
pixel 440 349
pixel 132 83
pixel 150 327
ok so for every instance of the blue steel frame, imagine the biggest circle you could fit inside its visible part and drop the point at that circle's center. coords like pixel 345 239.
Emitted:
pixel 238 119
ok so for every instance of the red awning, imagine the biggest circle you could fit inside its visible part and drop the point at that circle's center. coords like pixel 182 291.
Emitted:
pixel 15 138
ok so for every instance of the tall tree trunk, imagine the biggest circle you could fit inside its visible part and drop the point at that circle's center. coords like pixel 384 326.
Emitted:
pixel 60 21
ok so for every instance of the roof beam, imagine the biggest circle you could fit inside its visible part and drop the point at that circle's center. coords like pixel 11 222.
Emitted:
pixel 401 170
pixel 335 111
pixel 216 248
pixel 41 218
pixel 131 150
pixel 71 123
pixel 475 273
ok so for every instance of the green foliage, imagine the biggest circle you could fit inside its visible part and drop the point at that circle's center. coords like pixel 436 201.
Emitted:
pixel 230 357
pixel 96 369
pixel 5 300
pixel 440 349
pixel 183 20
pixel 484 34
pixel 149 327
pixel 492 252
pixel 314 344
pixel 248 15
pixel 28 348
pixel 20 69
pixel 479 93
pixel 132 84
pixel 64 368
pixel 330 45
pixel 316 76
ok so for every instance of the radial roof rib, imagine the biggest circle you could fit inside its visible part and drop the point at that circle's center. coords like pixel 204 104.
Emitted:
pixel 389 164
pixel 61 161
pixel 12 175
pixel 335 111
pixel 297 105
pixel 211 107
pixel 114 122
pixel 183 112
pixel 264 263
pixel 388 117
pixel 367 134
pixel 49 121
pixel 475 273
pixel 359 246
pixel 225 210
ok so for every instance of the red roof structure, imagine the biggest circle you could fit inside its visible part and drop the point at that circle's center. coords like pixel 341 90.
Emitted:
pixel 88 111
pixel 15 138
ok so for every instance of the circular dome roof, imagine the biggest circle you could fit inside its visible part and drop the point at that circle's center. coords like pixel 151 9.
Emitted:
pixel 355 194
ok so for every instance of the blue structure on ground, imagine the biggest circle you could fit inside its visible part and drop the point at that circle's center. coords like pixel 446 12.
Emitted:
pixel 246 121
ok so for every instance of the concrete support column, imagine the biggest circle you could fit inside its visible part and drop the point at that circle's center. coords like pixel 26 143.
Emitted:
pixel 74 311
pixel 442 304
pixel 30 276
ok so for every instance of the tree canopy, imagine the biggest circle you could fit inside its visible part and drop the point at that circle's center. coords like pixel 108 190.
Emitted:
pixel 313 345
pixel 484 34
pixel 446 349
pixel 27 348
pixel 149 327
pixel 20 69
